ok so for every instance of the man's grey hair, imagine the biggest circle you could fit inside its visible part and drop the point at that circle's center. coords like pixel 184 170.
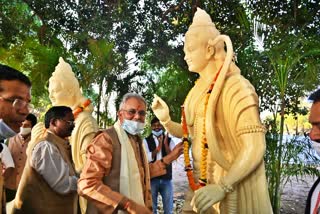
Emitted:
pixel 127 96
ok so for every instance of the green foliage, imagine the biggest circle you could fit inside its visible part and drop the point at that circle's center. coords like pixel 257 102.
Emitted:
pixel 96 37
pixel 297 160
pixel 172 86
pixel 289 66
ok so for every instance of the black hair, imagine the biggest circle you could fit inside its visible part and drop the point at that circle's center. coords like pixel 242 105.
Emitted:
pixel 56 112
pixel 154 120
pixel 8 73
pixel 315 96
pixel 32 118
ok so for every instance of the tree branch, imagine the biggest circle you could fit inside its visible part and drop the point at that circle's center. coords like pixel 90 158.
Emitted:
pixel 172 8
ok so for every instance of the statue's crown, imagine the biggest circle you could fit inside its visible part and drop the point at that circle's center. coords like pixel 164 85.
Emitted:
pixel 63 69
pixel 201 19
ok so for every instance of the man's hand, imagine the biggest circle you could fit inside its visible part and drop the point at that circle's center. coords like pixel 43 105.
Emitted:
pixel 135 208
pixel 177 150
pixel 160 109
pixel 174 154
pixel 207 196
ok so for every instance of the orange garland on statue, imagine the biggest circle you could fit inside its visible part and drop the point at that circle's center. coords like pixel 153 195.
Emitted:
pixel 204 146
pixel 79 109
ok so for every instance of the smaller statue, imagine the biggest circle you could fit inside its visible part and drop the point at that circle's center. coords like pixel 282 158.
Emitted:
pixel 64 90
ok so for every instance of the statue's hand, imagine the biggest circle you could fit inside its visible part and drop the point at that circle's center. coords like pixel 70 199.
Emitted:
pixel 207 196
pixel 160 109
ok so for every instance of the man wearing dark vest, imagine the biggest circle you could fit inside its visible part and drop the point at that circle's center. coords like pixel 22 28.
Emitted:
pixel 115 177
pixel 158 145
pixel 49 182
pixel 313 200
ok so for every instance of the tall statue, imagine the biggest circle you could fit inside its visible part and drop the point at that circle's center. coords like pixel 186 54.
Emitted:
pixel 64 90
pixel 220 116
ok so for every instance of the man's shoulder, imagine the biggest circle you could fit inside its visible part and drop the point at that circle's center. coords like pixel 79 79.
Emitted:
pixel 108 131
pixel 104 139
pixel 43 147
pixel 109 135
pixel 150 136
pixel 13 139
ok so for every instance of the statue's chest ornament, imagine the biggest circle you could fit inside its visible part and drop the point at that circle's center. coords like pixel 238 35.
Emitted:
pixel 204 146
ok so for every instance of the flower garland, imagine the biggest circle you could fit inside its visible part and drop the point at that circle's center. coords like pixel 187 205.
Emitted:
pixel 80 109
pixel 204 146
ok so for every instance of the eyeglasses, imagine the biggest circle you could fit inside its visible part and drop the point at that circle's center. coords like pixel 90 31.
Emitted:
pixel 133 112
pixel 18 103
pixel 70 122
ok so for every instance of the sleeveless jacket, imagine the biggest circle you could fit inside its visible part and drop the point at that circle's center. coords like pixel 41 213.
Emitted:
pixel 152 146
pixel 114 184
pixel 34 194
pixel 112 180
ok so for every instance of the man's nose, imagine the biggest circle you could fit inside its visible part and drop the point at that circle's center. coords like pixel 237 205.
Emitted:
pixel 137 116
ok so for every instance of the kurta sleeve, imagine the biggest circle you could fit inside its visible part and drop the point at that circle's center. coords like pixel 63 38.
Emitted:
pixel 97 166
pixel 48 162
pixel 6 157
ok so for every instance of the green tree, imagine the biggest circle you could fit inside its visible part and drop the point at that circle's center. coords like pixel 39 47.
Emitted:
pixel 291 53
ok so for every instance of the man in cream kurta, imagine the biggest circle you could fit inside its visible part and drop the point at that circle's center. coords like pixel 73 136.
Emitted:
pixel 49 183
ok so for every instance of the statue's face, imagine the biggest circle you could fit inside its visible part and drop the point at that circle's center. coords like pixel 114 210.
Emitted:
pixel 196 52
pixel 59 95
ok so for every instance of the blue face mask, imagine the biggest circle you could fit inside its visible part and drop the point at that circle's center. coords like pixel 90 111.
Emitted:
pixel 157 133
pixel 132 127
pixel 5 131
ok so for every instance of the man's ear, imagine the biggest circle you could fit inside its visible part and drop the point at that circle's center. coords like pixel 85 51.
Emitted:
pixel 119 114
pixel 53 122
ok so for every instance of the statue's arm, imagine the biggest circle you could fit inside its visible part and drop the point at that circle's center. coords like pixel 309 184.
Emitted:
pixel 173 128
pixel 251 135
pixel 161 110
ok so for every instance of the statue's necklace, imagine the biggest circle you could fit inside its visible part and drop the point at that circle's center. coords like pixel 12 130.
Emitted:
pixel 80 109
pixel 204 146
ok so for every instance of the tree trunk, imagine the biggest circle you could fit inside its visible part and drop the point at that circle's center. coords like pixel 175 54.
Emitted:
pixel 277 197
pixel 99 101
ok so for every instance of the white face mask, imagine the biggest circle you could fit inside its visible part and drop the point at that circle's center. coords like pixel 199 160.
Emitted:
pixel 24 131
pixel 157 133
pixel 132 127
pixel 5 130
pixel 316 147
